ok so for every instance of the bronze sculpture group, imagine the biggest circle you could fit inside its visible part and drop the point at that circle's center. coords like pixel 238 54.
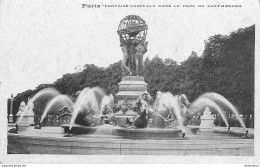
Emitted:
pixel 132 35
pixel 133 58
pixel 147 114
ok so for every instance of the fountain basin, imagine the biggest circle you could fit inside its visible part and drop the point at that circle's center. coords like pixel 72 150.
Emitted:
pixel 235 131
pixel 192 129
pixel 147 133
pixel 131 132
pixel 78 129
pixel 21 127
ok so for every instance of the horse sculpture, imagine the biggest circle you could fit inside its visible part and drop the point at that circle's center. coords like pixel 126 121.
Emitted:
pixel 144 109
pixel 164 115
pixel 186 112
pixel 85 117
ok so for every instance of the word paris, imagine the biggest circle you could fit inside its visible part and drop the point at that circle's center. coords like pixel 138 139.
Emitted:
pixel 153 6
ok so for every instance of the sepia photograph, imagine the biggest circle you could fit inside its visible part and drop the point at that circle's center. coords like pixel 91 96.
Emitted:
pixel 129 81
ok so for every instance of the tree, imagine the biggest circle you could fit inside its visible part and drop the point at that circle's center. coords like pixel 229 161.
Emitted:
pixel 228 67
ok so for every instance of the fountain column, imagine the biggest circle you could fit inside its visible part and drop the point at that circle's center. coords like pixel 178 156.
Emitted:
pixel 11 117
pixel 130 88
pixel 132 32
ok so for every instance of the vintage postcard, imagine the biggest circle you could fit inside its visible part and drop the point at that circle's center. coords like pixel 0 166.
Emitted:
pixel 129 81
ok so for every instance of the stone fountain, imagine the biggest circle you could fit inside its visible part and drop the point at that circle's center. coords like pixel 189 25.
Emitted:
pixel 101 125
pixel 25 114
pixel 132 32
pixel 207 120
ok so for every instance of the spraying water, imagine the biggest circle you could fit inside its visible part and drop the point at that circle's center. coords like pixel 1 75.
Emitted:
pixel 177 109
pixel 49 91
pixel 105 101
pixel 215 96
pixel 171 102
pixel 111 100
pixel 30 105
pixel 89 99
pixel 205 102
pixel 77 106
pixel 65 100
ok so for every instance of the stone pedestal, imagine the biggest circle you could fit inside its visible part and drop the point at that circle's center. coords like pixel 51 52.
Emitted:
pixel 25 115
pixel 130 88
pixel 11 118
pixel 207 120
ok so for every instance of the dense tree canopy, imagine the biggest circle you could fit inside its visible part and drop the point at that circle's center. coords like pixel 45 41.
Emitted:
pixel 226 67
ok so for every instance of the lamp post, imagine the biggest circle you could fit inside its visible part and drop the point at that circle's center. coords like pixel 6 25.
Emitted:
pixel 11 117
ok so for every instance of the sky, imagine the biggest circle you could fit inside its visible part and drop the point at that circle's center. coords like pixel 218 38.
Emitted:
pixel 42 40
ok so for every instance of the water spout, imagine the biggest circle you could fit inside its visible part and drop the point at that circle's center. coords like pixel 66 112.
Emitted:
pixel 218 97
pixel 204 102
pixel 171 102
pixel 90 99
pixel 30 104
pixel 49 91
pixel 77 106
pixel 65 100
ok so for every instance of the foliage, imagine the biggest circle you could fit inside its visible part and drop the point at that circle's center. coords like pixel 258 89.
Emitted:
pixel 232 122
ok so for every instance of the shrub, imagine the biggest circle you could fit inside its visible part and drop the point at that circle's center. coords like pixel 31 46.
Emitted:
pixel 232 122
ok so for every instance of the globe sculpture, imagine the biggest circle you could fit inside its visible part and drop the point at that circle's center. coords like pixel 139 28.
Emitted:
pixel 132 31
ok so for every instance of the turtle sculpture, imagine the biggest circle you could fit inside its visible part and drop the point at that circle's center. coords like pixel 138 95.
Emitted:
pixel 14 130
